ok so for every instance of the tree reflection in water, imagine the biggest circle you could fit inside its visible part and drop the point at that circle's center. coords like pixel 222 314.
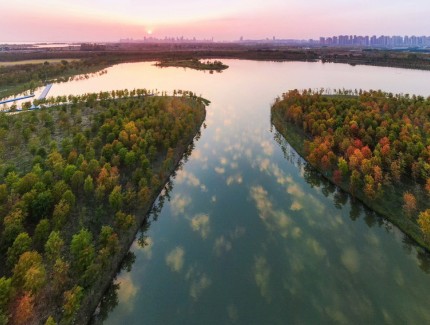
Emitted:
pixel 110 299
pixel 341 198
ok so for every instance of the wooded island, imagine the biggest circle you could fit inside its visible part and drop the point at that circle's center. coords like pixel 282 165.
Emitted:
pixel 194 64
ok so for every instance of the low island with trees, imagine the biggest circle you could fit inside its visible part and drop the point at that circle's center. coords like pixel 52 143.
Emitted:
pixel 373 144
pixel 195 64
pixel 77 180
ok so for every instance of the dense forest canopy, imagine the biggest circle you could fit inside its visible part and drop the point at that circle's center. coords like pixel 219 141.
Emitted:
pixel 373 143
pixel 75 179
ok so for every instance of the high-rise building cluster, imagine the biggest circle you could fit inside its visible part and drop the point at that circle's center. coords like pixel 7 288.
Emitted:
pixel 166 39
pixel 376 41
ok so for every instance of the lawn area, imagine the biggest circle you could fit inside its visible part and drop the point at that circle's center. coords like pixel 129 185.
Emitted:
pixel 9 63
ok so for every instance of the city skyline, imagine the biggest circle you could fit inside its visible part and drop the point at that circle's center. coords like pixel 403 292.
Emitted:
pixel 223 20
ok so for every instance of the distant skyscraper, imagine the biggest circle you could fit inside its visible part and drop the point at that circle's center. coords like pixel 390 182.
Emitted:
pixel 376 41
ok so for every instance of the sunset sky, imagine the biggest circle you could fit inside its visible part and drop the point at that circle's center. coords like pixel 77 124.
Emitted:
pixel 110 20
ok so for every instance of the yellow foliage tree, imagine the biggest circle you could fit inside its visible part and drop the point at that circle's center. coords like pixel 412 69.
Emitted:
pixel 424 223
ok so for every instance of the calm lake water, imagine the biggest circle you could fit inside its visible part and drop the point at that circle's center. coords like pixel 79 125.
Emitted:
pixel 250 234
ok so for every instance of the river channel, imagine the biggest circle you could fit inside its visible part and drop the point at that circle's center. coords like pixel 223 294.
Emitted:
pixel 250 234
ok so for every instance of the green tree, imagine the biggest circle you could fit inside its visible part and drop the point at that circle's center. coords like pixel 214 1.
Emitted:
pixel 21 244
pixel 77 180
pixel 29 272
pixel 13 226
pixel 72 302
pixel 60 214
pixel 115 198
pixel 3 193
pixel 130 158
pixel 427 187
pixel 369 187
pixel 59 189
pixel 109 239
pixel 53 246
pixel 123 221
pixel 42 205
pixel 5 292
pixel 34 279
pixel 50 321
pixel 60 275
pixel 41 233
pixel 27 182
pixel 355 181
pixel 69 197
pixel 82 250
pixel 68 172
pixel 4 318
pixel 89 185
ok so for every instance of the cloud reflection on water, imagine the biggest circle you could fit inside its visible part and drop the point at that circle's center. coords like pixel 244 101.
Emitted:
pixel 179 203
pixel 235 179
pixel 233 313
pixel 262 273
pixel 146 249
pixel 316 248
pixel 175 259
pixel 200 223
pixel 127 291
pixel 275 220
pixel 350 259
pixel 200 281
pixel 268 148
pixel 222 245
pixel 219 170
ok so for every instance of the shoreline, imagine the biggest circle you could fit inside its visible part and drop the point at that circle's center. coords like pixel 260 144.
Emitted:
pixel 296 138
pixel 88 62
pixel 93 298
pixel 150 52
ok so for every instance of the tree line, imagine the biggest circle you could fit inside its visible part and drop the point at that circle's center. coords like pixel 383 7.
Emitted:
pixel 373 143
pixel 27 77
pixel 73 179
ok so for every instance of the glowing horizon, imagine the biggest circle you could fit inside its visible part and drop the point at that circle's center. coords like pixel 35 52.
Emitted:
pixel 225 20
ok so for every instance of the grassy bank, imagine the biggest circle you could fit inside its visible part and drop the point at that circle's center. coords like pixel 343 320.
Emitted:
pixel 20 76
pixel 40 61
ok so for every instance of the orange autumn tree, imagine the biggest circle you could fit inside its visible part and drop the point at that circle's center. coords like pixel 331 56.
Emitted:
pixel 379 137
pixel 23 313
pixel 409 204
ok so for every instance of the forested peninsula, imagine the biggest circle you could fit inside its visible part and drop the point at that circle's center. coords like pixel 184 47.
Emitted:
pixel 373 144
pixel 77 179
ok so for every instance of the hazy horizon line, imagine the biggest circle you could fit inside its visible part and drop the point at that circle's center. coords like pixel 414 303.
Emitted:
pixel 190 38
